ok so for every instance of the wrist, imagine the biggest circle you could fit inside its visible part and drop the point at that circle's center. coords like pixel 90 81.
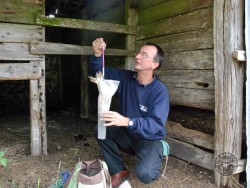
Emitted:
pixel 98 54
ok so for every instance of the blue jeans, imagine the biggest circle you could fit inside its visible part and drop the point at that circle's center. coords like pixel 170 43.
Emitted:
pixel 149 153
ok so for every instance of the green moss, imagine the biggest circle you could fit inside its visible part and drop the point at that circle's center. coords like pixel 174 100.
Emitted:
pixel 49 21
pixel 18 2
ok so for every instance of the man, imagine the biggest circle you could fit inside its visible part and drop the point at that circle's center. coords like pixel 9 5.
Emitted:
pixel 143 110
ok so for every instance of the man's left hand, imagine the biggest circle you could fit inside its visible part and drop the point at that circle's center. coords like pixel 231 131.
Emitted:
pixel 114 118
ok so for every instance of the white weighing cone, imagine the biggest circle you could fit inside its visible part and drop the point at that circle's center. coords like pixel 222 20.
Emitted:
pixel 125 184
pixel 107 89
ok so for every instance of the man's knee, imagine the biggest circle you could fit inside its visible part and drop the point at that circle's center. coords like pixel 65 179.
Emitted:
pixel 145 175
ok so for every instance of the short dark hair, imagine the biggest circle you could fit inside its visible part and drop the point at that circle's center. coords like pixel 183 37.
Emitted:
pixel 159 54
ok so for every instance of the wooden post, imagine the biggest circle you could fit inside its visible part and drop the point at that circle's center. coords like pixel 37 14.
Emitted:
pixel 84 76
pixel 130 41
pixel 228 36
pixel 247 38
pixel 38 131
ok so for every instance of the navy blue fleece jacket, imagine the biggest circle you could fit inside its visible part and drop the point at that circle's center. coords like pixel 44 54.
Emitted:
pixel 147 106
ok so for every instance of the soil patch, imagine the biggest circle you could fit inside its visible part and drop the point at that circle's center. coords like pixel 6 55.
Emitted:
pixel 24 170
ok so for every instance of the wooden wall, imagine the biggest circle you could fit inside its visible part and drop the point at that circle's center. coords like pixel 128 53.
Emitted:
pixel 184 29
pixel 14 46
pixel 17 63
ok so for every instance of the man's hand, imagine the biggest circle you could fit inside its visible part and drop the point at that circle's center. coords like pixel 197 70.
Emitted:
pixel 98 44
pixel 114 118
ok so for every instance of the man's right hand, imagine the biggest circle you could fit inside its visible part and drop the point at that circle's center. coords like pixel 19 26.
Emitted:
pixel 98 44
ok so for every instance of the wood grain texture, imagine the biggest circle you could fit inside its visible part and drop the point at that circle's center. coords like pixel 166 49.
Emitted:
pixel 228 36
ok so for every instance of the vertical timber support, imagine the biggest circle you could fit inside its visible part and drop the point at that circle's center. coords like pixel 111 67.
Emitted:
pixel 38 129
pixel 130 43
pixel 38 114
pixel 84 76
pixel 247 39
pixel 228 36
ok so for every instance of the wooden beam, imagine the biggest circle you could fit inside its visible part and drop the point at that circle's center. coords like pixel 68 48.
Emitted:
pixel 168 26
pixel 229 74
pixel 197 98
pixel 177 131
pixel 190 153
pixel 195 60
pixel 37 47
pixel 247 42
pixel 17 51
pixel 84 105
pixel 20 71
pixel 193 40
pixel 84 24
pixel 130 40
pixel 16 33
pixel 192 79
pixel 35 130
pixel 159 9
pixel 38 130
pixel 42 106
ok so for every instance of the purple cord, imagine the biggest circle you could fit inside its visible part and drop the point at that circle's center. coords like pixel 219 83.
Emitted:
pixel 103 62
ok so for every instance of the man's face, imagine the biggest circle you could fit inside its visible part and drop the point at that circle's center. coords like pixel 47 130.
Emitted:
pixel 144 59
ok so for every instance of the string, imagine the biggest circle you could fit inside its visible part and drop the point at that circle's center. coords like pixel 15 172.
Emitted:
pixel 103 62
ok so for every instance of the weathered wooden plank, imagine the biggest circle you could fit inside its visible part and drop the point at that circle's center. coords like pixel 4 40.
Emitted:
pixel 21 11
pixel 42 107
pixel 37 47
pixel 84 88
pixel 85 96
pixel 195 79
pixel 197 98
pixel 247 103
pixel 186 22
pixel 163 8
pixel 17 51
pixel 20 71
pixel 131 20
pixel 229 77
pixel 177 131
pixel 35 130
pixel 190 153
pixel 84 24
pixel 10 32
pixel 38 131
pixel 193 40
pixel 198 59
pixel 157 10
